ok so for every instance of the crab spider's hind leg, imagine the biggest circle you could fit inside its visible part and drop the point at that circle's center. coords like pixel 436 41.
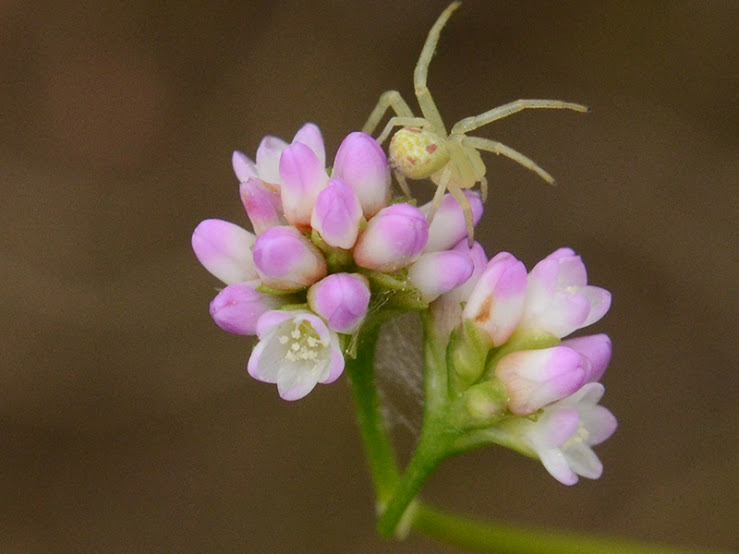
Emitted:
pixel 388 99
pixel 499 148
pixel 401 122
pixel 473 122
pixel 420 74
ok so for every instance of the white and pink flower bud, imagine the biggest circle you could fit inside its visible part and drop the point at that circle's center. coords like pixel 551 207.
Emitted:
pixel 296 351
pixel 225 250
pixel 269 152
pixel 436 273
pixel 310 135
pixel 285 259
pixel 497 299
pixel 448 226
pixel 237 308
pixel 302 177
pixel 362 163
pixel 447 310
pixel 262 204
pixel 558 299
pixel 342 300
pixel 394 238
pixel 596 349
pixel 563 435
pixel 535 378
pixel 243 167
pixel 337 215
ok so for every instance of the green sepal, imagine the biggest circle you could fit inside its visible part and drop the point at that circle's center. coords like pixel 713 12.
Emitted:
pixel 466 354
pixel 337 259
pixel 481 405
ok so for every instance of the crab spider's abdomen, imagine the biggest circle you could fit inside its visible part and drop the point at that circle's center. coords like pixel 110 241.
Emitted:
pixel 417 153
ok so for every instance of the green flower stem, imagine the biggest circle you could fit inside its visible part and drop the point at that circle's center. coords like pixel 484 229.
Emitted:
pixel 485 536
pixel 380 453
pixel 433 448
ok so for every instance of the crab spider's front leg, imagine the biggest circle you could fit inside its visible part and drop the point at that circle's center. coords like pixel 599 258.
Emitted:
pixel 471 123
pixel 388 99
pixel 498 148
pixel 420 74
pixel 419 122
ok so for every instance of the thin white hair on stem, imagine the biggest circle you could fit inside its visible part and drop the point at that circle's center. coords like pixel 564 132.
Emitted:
pixel 399 365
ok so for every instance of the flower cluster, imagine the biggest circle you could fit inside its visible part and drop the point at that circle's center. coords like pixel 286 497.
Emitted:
pixel 330 252
pixel 326 248
pixel 512 368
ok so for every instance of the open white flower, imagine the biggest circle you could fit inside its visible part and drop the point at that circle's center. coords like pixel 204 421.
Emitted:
pixel 564 433
pixel 296 350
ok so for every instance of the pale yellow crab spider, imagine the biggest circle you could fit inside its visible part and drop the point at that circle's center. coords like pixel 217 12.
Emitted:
pixel 422 148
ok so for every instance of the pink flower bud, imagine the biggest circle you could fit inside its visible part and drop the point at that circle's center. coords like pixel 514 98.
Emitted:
pixel 447 310
pixel 558 299
pixel 594 348
pixel 224 249
pixel 286 260
pixel 535 378
pixel 302 177
pixel 244 168
pixel 237 308
pixel 342 300
pixel 268 159
pixel 361 162
pixel 310 135
pixel 436 273
pixel 337 214
pixel 448 226
pixel 496 302
pixel 262 204
pixel 394 238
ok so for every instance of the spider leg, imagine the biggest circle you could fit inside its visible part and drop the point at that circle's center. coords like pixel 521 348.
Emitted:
pixel 471 123
pixel 441 187
pixel 499 148
pixel 458 194
pixel 420 74
pixel 403 183
pixel 388 99
pixel 402 122
pixel 483 188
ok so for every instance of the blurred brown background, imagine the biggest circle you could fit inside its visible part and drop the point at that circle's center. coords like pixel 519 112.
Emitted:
pixel 127 420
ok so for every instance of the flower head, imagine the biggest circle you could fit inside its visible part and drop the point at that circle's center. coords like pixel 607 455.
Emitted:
pixel 296 350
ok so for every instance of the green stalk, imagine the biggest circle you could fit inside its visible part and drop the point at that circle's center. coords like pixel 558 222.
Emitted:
pixel 377 445
pixel 485 536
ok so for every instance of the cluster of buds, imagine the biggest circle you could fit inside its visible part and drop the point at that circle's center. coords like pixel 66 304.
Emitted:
pixel 329 251
pixel 327 248
pixel 512 371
